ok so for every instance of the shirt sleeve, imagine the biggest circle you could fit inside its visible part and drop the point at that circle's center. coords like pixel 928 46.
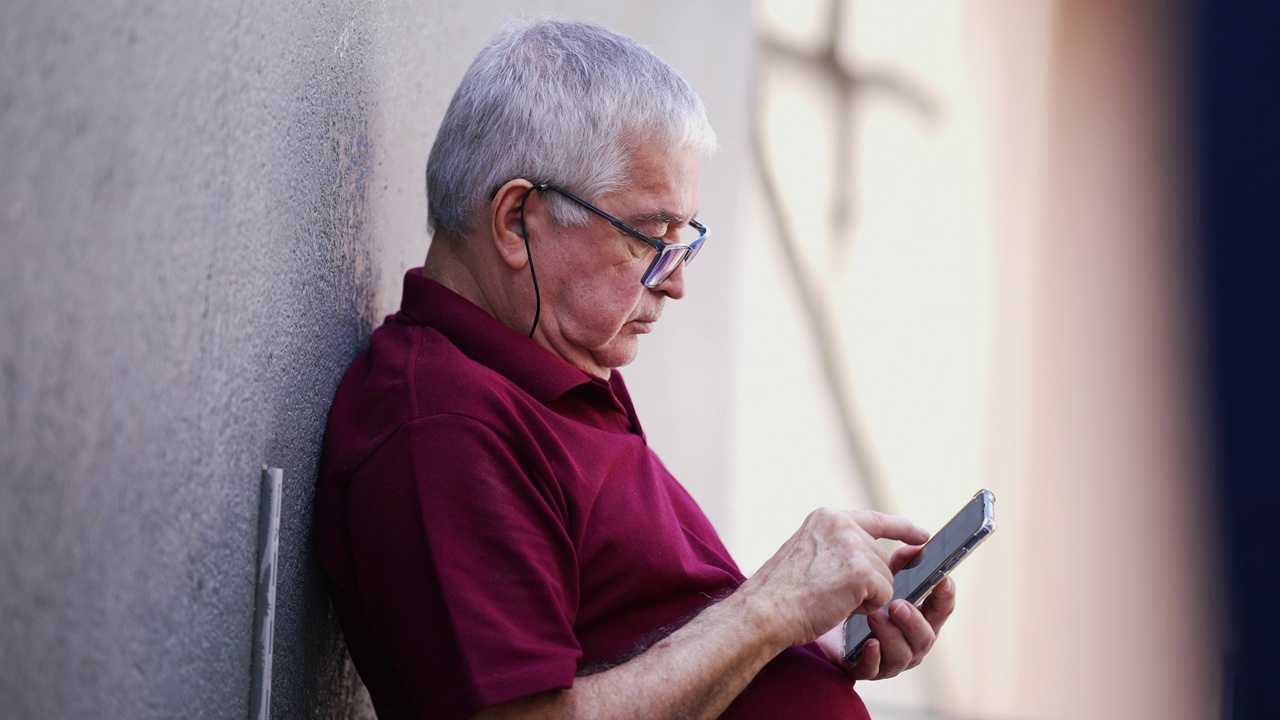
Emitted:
pixel 465 568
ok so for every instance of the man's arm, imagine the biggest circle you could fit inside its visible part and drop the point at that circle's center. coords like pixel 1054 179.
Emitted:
pixel 832 566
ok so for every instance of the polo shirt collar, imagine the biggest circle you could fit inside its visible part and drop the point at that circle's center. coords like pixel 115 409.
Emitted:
pixel 535 369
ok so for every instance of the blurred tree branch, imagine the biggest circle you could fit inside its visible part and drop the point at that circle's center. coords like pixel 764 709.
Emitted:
pixel 811 286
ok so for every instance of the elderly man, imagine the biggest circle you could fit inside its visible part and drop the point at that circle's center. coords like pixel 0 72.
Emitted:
pixel 499 538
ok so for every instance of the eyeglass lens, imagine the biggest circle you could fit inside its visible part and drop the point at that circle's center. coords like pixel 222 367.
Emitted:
pixel 666 263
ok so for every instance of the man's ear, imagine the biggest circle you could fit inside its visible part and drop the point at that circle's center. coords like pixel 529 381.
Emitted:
pixel 504 218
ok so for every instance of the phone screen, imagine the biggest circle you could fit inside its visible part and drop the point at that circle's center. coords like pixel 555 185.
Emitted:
pixel 938 557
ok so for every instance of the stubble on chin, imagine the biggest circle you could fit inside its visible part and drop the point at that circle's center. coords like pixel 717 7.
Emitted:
pixel 622 350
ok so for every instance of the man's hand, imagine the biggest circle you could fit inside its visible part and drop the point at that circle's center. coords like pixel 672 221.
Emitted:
pixel 904 634
pixel 832 566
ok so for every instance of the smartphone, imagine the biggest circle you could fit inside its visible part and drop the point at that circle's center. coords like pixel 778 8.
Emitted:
pixel 944 551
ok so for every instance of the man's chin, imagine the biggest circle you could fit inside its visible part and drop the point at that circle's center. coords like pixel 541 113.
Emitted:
pixel 618 353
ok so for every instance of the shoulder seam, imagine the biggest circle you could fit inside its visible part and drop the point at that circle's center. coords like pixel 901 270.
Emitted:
pixel 411 372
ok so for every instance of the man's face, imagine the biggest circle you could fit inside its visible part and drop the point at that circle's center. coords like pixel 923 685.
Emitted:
pixel 594 307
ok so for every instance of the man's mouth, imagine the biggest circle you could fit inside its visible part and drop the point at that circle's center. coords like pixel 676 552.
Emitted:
pixel 643 324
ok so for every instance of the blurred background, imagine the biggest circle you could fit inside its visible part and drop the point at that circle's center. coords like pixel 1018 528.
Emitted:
pixel 969 218
pixel 1022 245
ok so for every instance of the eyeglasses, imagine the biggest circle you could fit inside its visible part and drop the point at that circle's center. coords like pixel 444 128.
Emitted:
pixel 670 255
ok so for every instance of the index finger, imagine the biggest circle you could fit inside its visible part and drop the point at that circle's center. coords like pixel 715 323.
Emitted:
pixel 882 525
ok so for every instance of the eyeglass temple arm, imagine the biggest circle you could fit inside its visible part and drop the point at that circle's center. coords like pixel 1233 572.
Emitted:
pixel 652 242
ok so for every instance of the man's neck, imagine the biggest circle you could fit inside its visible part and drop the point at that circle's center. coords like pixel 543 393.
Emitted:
pixel 453 264
pixel 445 265
pixel 501 294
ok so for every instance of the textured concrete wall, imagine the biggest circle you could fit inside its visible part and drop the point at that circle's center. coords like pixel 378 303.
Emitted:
pixel 204 210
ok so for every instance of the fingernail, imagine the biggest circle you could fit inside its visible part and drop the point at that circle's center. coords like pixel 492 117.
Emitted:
pixel 901 609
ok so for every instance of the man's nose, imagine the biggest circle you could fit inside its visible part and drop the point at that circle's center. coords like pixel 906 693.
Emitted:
pixel 673 286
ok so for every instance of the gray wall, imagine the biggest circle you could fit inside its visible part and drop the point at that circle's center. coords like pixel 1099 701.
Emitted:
pixel 205 208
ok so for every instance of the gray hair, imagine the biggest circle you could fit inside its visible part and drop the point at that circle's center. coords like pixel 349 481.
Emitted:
pixel 559 102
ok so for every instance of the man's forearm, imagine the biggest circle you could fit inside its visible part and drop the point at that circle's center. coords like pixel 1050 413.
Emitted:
pixel 693 673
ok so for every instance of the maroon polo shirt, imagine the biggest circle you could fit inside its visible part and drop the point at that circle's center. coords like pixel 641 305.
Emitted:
pixel 493 523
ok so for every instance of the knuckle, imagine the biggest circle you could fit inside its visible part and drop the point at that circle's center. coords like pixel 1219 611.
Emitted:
pixel 884 587
pixel 877 590
pixel 824 513
pixel 869 519
pixel 924 645
pixel 824 520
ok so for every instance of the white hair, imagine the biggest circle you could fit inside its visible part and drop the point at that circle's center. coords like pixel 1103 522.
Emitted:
pixel 559 102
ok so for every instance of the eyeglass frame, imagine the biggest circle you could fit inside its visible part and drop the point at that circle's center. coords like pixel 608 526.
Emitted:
pixel 662 247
